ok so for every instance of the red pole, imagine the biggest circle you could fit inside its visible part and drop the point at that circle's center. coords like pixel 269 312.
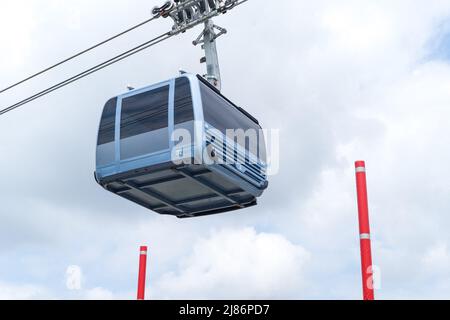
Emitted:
pixel 142 273
pixel 364 231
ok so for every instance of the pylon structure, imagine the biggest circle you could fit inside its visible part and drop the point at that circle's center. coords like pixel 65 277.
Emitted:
pixel 364 231
pixel 187 14
pixel 142 272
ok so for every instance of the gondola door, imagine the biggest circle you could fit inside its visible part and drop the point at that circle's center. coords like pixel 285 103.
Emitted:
pixel 144 127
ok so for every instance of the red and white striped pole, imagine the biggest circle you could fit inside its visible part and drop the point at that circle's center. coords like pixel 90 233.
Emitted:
pixel 142 273
pixel 364 231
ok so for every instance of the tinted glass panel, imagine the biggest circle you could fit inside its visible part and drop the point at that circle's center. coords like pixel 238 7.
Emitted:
pixel 183 101
pixel 221 114
pixel 183 112
pixel 107 123
pixel 106 135
pixel 144 123
pixel 144 112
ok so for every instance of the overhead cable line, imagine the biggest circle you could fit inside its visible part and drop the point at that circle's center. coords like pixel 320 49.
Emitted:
pixel 89 71
pixel 78 54
pixel 143 46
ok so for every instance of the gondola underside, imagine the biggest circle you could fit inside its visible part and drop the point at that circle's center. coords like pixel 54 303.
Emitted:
pixel 181 191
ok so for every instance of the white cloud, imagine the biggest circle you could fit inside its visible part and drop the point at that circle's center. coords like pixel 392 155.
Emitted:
pixel 238 264
pixel 99 294
pixel 14 291
pixel 437 259
pixel 16 23
pixel 358 29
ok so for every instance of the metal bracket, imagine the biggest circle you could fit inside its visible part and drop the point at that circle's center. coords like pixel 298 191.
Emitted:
pixel 201 38
pixel 187 14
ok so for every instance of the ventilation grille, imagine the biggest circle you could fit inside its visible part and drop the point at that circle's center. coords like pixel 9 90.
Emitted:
pixel 245 164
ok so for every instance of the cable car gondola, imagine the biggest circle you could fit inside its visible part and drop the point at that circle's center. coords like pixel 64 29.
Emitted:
pixel 141 157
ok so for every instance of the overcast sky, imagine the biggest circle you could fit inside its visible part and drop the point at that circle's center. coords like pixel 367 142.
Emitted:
pixel 342 80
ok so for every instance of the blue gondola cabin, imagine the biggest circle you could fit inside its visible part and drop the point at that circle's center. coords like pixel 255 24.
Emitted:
pixel 169 148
